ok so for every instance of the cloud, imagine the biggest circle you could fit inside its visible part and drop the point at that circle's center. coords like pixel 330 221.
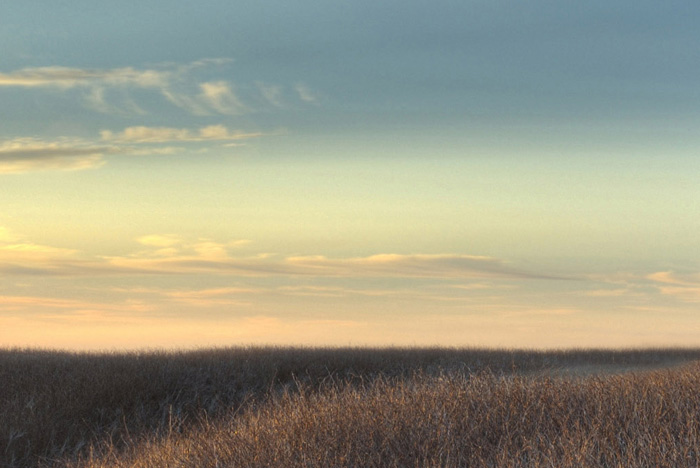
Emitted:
pixel 686 294
pixel 171 247
pixel 130 90
pixel 19 256
pixel 213 258
pixel 22 155
pixel 670 277
pixel 147 151
pixel 207 257
pixel 142 134
pixel 170 254
pixel 109 90
pixel 305 94
pixel 29 251
pixel 239 295
pixel 97 99
pixel 685 287
pixel 26 154
pixel 65 78
pixel 271 93
pixel 220 97
pixel 447 266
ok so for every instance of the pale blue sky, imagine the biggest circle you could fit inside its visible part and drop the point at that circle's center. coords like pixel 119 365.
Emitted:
pixel 463 172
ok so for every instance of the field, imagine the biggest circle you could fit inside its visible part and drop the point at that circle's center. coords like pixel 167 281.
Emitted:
pixel 353 407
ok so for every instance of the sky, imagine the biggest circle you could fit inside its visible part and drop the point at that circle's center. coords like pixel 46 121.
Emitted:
pixel 179 174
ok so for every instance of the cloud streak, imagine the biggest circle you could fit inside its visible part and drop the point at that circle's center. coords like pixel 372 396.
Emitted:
pixel 272 94
pixel 684 287
pixel 220 96
pixel 111 90
pixel 25 154
pixel 22 155
pixel 66 78
pixel 142 134
pixel 171 255
pixel 172 82
pixel 421 265
pixel 305 94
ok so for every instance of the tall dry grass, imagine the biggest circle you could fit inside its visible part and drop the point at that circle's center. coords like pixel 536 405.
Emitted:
pixel 132 409
pixel 634 420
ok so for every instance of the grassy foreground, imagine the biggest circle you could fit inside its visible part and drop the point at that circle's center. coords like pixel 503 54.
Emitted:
pixel 244 407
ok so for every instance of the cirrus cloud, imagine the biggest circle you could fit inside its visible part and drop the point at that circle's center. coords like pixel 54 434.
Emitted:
pixel 683 286
pixel 417 265
pixel 167 254
pixel 116 90
pixel 22 155
pixel 108 90
pixel 220 97
pixel 65 77
pixel 27 154
pixel 142 134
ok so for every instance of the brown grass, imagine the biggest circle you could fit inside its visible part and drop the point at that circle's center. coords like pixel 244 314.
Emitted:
pixel 348 407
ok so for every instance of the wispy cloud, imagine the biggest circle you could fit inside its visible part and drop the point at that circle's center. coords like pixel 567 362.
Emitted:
pixel 169 247
pixel 112 90
pixel 213 258
pixel 170 254
pixel 305 93
pixel 142 134
pixel 22 155
pixel 21 256
pixel 27 251
pixel 97 99
pixel 64 77
pixel 219 96
pixel 108 90
pixel 685 287
pixel 26 154
pixel 685 293
pixel 671 277
pixel 447 265
pixel 271 93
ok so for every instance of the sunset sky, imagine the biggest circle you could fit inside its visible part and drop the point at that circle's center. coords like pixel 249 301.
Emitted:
pixel 463 173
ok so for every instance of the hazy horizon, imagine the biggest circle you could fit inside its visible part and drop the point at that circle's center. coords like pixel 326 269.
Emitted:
pixel 472 173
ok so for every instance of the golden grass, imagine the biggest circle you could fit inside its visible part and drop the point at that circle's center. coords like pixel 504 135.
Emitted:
pixel 288 407
pixel 645 420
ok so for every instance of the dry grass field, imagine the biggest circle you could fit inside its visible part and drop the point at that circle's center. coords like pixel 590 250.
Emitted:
pixel 354 407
